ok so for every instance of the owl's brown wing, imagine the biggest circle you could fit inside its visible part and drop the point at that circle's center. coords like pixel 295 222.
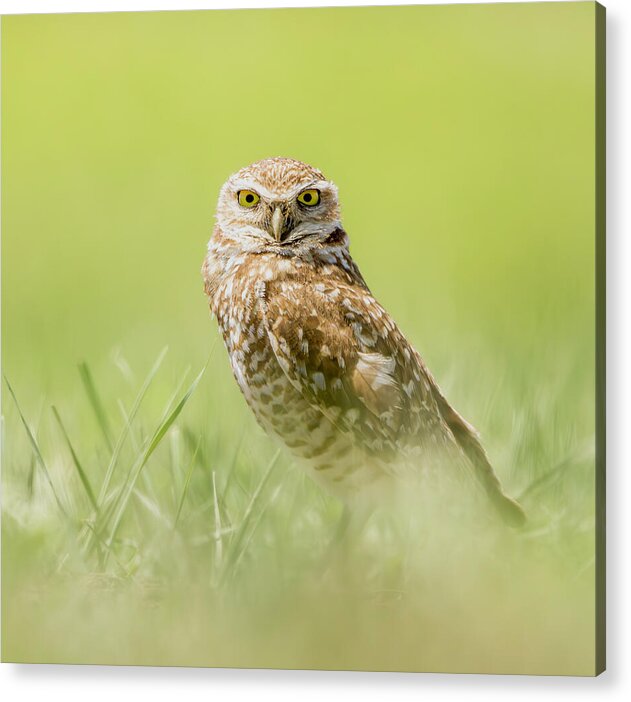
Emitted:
pixel 343 352
pixel 346 356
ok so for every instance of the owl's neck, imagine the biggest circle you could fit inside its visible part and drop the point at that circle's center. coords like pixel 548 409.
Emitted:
pixel 228 258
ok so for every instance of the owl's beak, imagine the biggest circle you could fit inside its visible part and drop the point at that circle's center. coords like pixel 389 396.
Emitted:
pixel 278 224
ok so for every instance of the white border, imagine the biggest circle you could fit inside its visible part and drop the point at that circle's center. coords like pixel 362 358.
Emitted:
pixel 70 683
pixel 34 6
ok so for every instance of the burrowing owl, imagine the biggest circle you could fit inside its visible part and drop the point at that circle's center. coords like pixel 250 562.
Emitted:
pixel 320 362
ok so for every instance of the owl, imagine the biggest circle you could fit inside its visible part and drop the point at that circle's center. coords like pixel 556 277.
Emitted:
pixel 320 362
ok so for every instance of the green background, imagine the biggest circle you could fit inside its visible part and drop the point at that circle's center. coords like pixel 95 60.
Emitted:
pixel 462 142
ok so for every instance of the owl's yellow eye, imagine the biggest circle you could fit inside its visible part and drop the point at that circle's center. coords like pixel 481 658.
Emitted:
pixel 248 198
pixel 309 197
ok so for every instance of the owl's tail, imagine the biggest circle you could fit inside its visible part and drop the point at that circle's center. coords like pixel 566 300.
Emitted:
pixel 510 510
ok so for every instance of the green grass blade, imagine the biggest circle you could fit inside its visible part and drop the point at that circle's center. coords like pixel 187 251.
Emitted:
pixel 77 463
pixel 144 457
pixel 95 401
pixel 175 462
pixel 151 506
pixel 127 427
pixel 233 463
pixel 106 510
pixel 172 416
pixel 176 392
pixel 217 513
pixel 187 480
pixel 237 545
pixel 101 542
pixel 36 450
pixel 107 513
pixel 546 478
pixel 256 522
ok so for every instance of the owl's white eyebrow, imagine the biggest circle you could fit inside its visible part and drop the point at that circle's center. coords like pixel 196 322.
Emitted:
pixel 247 184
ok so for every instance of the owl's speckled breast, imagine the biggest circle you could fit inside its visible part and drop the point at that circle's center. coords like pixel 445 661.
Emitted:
pixel 333 458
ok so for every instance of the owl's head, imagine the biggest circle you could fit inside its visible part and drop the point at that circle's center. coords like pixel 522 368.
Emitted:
pixel 278 203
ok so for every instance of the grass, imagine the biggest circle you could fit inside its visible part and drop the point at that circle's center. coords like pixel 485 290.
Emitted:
pixel 137 531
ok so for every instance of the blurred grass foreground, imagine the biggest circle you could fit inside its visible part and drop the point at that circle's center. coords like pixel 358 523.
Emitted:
pixel 146 519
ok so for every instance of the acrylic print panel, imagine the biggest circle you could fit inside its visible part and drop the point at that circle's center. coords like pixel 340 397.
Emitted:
pixel 362 524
